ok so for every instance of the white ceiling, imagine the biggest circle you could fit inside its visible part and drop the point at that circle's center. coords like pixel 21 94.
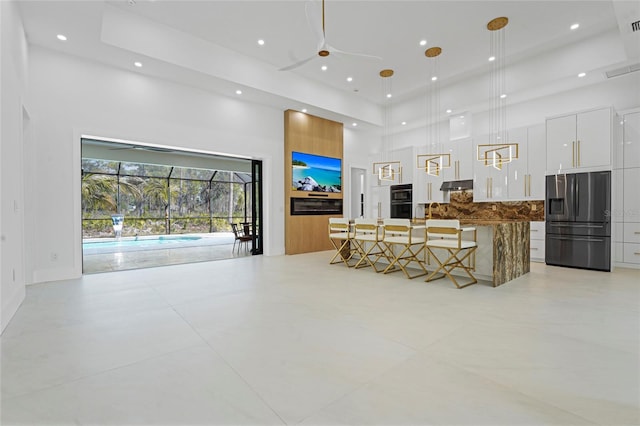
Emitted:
pixel 213 45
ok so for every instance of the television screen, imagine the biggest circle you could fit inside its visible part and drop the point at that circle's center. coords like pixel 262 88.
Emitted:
pixel 316 173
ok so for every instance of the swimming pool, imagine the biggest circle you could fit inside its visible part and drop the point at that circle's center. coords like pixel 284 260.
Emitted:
pixel 143 243
pixel 138 242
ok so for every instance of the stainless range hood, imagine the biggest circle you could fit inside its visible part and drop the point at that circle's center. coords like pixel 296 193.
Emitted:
pixel 457 185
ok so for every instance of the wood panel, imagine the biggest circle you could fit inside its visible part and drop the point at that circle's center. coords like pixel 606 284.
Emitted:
pixel 313 135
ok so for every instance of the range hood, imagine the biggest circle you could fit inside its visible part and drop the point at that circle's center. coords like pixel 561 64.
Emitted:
pixel 457 185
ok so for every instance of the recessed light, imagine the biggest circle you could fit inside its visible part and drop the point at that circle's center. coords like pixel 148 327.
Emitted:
pixel 462 116
pixel 349 79
pixel 324 68
pixel 492 58
pixel 575 26
pixel 238 92
pixel 354 124
pixel 62 37
pixel 449 111
pixel 434 78
pixel 404 123
pixel 504 95
pixel 582 74
pixel 261 42
pixel 304 110
pixel 423 42
pixel 138 64
pixel 389 95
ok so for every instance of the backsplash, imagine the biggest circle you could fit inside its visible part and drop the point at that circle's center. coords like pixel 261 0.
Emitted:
pixel 462 206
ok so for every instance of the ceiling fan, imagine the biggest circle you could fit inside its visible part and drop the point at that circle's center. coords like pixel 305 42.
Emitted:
pixel 324 48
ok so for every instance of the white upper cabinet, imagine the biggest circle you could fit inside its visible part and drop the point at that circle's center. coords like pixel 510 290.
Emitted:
pixel 594 138
pixel 579 141
pixel 631 140
pixel 426 188
pixel 526 174
pixel 536 156
pixel 461 151
pixel 489 183
pixel 561 143
pixel 518 169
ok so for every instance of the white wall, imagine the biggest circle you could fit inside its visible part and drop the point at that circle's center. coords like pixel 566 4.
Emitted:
pixel 621 93
pixel 70 97
pixel 13 69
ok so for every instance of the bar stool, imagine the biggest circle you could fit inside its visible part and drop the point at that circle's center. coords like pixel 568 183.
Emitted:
pixel 446 235
pixel 398 232
pixel 367 237
pixel 340 236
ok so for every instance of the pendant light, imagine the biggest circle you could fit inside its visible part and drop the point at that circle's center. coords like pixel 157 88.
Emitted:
pixel 387 170
pixel 435 160
pixel 498 151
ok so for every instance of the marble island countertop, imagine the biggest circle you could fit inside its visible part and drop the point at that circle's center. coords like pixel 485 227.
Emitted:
pixel 473 221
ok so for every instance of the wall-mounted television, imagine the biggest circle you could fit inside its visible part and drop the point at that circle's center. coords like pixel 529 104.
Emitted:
pixel 316 173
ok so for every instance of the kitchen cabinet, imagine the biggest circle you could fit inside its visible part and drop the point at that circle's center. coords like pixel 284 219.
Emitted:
pixel 407 163
pixel 631 197
pixel 526 174
pixel 489 183
pixel 462 157
pixel 631 140
pixel 536 241
pixel 625 198
pixel 426 188
pixel 579 141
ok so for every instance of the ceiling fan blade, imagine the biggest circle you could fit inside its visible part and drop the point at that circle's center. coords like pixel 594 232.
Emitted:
pixel 315 19
pixel 298 64
pixel 342 52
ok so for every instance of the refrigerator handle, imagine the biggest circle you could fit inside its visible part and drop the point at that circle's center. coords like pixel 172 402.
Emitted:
pixel 576 199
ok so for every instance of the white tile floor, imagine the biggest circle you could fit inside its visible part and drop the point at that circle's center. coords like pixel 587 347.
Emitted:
pixel 290 339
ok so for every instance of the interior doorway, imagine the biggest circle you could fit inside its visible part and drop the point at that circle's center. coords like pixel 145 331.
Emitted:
pixel 147 206
pixel 358 182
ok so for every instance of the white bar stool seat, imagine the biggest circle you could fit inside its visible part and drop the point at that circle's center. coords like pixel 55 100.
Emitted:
pixel 446 234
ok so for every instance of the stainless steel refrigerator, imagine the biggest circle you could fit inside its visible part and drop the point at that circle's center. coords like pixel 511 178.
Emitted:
pixel 578 220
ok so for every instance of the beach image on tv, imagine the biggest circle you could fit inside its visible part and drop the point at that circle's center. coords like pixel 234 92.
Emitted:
pixel 316 173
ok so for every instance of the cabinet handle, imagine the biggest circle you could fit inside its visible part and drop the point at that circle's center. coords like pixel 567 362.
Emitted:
pixel 534 248
pixel 637 232
pixel 534 230
pixel 529 185
pixel 637 254
pixel 525 185
pixel 573 154
pixel 578 154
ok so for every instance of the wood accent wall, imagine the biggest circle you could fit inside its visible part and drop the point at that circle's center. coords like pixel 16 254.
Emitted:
pixel 312 135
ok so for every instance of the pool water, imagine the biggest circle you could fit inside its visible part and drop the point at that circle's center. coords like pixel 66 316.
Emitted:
pixel 162 240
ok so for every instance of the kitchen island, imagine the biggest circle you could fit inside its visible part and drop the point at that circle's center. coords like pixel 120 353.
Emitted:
pixel 503 249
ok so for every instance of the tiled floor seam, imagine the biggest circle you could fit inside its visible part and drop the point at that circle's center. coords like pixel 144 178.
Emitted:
pixel 99 373
pixel 230 366
pixel 510 389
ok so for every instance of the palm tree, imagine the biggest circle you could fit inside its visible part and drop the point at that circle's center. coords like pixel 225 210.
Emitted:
pixel 98 193
pixel 157 192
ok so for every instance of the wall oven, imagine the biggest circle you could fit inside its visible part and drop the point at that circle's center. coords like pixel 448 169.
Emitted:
pixel 401 201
